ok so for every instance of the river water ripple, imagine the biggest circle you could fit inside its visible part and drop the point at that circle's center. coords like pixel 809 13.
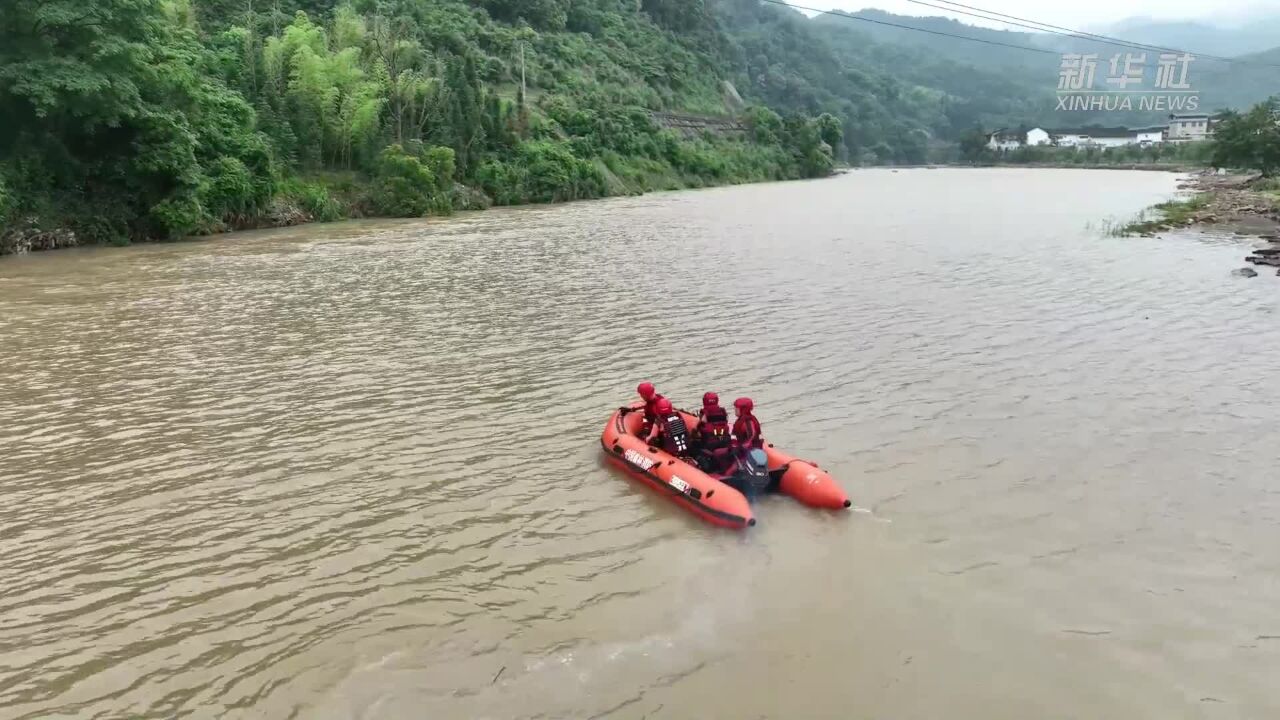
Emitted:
pixel 353 471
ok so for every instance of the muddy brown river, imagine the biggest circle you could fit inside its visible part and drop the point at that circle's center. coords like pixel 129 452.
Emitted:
pixel 353 471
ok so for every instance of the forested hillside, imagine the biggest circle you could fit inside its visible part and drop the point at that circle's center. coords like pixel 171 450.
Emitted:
pixel 146 119
pixel 1236 86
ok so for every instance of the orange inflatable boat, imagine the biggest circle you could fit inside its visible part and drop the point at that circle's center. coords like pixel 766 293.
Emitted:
pixel 706 495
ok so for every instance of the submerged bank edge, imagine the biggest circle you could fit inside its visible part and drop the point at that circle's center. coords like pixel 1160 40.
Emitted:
pixel 1245 204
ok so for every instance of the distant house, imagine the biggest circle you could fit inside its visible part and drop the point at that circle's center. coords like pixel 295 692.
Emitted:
pixel 1189 128
pixel 1038 136
pixel 1006 139
pixel 1146 136
pixel 1102 138
pixel 1068 138
pixel 1099 137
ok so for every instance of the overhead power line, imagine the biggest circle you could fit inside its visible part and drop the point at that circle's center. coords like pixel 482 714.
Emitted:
pixel 838 13
pixel 1068 32
pixel 1043 27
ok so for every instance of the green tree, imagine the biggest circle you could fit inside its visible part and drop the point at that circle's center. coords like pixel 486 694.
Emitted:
pixel 67 62
pixel 460 111
pixel 117 119
pixel 406 67
pixel 412 184
pixel 813 156
pixel 764 124
pixel 679 15
pixel 541 14
pixel 831 131
pixel 973 145
pixel 1249 141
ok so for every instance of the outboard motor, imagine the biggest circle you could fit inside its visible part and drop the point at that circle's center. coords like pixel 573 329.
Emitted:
pixel 750 473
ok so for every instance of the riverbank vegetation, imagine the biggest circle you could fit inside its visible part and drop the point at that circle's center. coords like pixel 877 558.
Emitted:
pixel 151 119
pixel 1250 140
pixel 1244 202
pixel 1165 216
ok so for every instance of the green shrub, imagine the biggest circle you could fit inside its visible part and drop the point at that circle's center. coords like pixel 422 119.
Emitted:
pixel 410 186
pixel 554 174
pixel 1271 184
pixel 313 198
pixel 701 160
pixel 228 190
pixel 764 125
pixel 177 216
pixel 101 230
pixel 501 181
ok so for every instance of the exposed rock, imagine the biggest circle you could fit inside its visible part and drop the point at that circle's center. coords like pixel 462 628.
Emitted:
pixel 1229 202
pixel 1245 272
pixel 732 99
pixel 469 198
pixel 285 214
pixel 27 236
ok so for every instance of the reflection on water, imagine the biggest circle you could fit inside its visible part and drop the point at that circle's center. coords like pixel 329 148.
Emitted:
pixel 352 471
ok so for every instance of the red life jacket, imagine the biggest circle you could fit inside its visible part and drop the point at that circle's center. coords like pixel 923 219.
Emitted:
pixel 713 427
pixel 747 430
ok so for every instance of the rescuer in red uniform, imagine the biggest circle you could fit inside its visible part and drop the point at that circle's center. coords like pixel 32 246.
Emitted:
pixel 713 434
pixel 746 429
pixel 670 429
pixel 651 398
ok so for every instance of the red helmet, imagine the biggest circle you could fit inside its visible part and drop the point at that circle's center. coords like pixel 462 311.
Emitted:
pixel 645 389
pixel 663 406
pixel 710 399
pixel 744 404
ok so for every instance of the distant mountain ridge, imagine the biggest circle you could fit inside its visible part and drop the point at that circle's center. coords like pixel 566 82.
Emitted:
pixel 1260 33
pixel 976 66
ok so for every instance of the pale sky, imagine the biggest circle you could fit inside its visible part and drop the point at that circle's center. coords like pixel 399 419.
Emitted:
pixel 1070 13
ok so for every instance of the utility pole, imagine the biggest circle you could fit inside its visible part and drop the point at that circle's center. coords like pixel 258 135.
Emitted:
pixel 250 49
pixel 522 102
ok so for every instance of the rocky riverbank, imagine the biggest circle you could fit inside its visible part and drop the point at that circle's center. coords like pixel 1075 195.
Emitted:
pixel 27 236
pixel 1246 205
pixel 1151 167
